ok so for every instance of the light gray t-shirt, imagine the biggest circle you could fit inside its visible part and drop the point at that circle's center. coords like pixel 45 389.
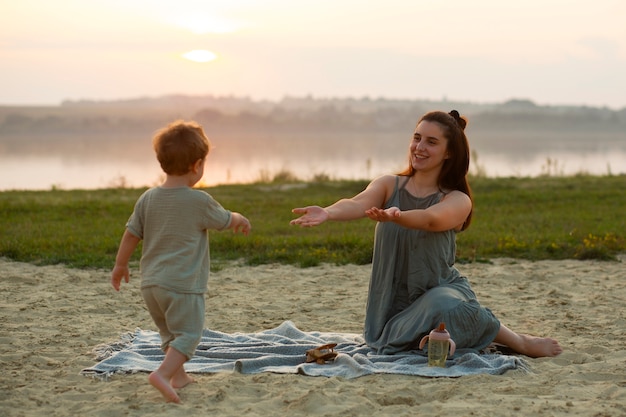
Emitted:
pixel 173 224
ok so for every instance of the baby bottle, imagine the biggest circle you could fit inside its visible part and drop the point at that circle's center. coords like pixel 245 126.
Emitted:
pixel 438 344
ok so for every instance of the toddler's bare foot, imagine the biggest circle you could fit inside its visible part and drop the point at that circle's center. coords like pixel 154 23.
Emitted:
pixel 538 347
pixel 160 383
pixel 181 381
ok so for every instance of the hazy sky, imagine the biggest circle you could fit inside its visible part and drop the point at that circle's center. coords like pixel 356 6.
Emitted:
pixel 550 51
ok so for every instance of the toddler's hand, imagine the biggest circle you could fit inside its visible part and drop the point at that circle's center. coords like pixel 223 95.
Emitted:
pixel 117 274
pixel 240 224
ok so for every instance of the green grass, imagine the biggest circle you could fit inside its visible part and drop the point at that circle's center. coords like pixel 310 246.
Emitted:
pixel 579 217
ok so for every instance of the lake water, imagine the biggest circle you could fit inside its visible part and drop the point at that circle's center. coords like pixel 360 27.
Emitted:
pixel 250 160
pixel 55 171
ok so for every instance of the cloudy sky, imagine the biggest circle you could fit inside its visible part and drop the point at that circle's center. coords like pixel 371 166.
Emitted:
pixel 550 51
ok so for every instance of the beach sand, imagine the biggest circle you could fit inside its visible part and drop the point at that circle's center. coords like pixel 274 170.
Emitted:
pixel 51 317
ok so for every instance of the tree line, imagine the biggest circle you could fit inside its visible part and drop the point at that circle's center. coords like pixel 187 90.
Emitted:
pixel 364 114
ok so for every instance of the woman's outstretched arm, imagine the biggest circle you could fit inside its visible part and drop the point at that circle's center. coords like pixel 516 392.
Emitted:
pixel 375 195
pixel 448 214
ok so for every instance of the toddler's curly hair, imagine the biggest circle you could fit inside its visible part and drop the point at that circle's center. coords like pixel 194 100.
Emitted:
pixel 179 145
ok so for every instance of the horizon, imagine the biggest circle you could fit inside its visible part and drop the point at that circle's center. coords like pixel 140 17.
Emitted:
pixel 553 53
pixel 278 100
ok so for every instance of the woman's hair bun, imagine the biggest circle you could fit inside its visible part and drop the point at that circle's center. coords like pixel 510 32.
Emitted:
pixel 461 121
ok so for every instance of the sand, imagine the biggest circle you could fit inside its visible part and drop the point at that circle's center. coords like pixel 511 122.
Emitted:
pixel 52 317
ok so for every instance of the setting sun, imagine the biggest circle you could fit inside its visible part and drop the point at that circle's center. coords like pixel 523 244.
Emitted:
pixel 200 55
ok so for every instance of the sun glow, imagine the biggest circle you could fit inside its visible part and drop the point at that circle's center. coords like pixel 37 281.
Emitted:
pixel 200 55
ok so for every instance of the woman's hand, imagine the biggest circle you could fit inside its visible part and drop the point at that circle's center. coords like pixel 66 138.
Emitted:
pixel 310 216
pixel 383 215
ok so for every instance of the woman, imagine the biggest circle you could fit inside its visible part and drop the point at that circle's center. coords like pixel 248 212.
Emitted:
pixel 414 285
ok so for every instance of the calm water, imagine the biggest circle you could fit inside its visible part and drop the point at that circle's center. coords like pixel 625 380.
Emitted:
pixel 44 172
pixel 249 162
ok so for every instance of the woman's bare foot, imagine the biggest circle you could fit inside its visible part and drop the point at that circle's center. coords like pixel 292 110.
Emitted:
pixel 535 347
pixel 163 385
pixel 181 381
pixel 538 347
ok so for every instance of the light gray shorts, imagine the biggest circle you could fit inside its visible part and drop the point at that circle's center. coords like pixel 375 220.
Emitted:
pixel 178 316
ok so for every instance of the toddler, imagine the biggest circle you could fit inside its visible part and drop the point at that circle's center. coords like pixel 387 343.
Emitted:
pixel 173 220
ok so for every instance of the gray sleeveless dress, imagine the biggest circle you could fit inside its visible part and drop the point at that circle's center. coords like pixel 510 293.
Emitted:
pixel 414 286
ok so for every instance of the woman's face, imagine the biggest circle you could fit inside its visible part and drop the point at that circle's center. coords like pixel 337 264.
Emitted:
pixel 429 147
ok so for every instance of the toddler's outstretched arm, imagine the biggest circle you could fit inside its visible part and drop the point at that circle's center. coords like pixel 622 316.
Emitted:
pixel 238 223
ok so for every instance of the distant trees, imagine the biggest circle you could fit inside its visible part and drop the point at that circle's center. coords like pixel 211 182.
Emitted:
pixel 338 114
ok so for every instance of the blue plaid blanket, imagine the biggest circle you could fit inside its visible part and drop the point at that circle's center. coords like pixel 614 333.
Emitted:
pixel 283 350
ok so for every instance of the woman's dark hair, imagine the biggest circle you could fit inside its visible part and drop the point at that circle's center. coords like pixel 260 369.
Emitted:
pixel 453 175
